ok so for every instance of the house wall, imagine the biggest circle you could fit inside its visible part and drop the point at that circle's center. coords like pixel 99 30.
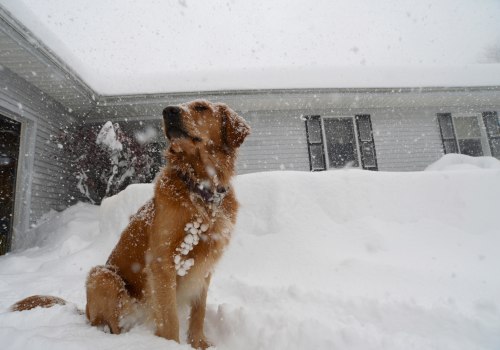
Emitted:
pixel 406 132
pixel 406 140
pixel 410 139
pixel 277 142
pixel 43 180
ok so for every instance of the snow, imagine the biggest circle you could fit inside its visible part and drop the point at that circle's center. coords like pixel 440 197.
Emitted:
pixel 459 162
pixel 115 211
pixel 108 139
pixel 345 259
pixel 148 135
pixel 129 47
pixel 193 234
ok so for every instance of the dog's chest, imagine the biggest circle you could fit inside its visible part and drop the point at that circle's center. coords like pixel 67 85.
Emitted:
pixel 203 241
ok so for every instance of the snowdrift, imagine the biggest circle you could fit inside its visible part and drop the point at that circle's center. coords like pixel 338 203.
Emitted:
pixel 344 259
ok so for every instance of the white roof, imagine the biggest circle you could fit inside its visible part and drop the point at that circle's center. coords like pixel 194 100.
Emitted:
pixel 131 47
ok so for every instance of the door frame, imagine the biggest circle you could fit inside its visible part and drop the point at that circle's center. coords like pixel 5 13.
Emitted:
pixel 24 175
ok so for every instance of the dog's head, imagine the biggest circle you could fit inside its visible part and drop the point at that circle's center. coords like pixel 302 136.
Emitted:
pixel 204 137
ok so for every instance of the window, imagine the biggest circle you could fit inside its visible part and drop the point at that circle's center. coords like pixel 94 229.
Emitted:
pixel 340 142
pixel 470 134
pixel 492 124
pixel 335 142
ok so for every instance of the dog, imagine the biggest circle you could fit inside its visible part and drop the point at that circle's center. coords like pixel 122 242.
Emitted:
pixel 166 255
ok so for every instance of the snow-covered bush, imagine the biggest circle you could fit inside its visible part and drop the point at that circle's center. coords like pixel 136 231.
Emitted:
pixel 104 159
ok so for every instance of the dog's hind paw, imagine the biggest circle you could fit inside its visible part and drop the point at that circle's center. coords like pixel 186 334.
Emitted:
pixel 199 342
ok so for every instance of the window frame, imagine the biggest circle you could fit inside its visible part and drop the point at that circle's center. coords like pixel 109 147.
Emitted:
pixel 483 136
pixel 359 144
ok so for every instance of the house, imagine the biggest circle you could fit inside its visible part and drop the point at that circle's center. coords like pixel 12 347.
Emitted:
pixel 303 129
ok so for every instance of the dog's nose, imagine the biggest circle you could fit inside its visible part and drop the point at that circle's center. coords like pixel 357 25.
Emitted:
pixel 172 115
pixel 171 112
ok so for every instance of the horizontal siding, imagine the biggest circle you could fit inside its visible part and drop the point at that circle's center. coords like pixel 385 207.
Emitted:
pixel 277 142
pixel 52 187
pixel 406 140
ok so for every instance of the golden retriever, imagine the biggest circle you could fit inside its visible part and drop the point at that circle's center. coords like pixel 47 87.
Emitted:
pixel 167 253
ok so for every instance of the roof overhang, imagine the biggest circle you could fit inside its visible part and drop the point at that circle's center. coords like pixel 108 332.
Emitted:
pixel 305 101
pixel 28 57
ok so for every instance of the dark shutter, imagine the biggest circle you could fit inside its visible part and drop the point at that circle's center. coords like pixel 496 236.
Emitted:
pixel 492 124
pixel 315 143
pixel 366 142
pixel 447 133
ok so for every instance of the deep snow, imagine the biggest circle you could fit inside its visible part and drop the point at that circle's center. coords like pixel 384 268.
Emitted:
pixel 345 259
pixel 128 47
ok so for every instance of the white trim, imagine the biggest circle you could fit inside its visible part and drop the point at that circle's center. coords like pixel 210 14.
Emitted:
pixel 325 141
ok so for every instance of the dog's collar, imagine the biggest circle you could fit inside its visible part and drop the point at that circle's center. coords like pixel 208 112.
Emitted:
pixel 207 194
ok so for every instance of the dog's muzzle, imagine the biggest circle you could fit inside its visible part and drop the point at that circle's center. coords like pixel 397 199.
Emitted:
pixel 173 122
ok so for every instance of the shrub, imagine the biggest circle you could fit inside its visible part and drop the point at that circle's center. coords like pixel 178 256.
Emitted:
pixel 104 160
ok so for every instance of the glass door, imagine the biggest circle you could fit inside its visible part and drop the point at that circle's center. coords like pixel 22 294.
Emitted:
pixel 10 131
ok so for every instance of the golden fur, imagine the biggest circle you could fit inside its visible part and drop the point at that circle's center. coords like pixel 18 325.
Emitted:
pixel 155 267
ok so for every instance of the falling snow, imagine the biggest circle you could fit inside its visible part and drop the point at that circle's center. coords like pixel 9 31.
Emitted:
pixel 108 138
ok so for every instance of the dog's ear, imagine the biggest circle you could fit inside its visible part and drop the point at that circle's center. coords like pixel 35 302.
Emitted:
pixel 234 128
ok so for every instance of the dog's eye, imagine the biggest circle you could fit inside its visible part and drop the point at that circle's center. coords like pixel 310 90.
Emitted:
pixel 200 108
pixel 196 139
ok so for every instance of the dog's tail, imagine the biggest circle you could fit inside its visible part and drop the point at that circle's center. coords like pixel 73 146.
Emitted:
pixel 33 301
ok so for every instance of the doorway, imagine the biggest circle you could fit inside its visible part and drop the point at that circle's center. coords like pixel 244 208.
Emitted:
pixel 10 132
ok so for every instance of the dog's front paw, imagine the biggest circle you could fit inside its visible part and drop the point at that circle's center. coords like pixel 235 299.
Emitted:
pixel 199 342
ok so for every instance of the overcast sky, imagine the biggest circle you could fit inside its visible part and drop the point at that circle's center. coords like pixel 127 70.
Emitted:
pixel 120 39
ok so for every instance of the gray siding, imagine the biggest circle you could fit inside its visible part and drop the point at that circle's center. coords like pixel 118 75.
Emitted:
pixel 277 142
pixel 406 132
pixel 46 182
pixel 406 140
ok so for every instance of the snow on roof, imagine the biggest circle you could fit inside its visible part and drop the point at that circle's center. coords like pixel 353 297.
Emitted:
pixel 128 47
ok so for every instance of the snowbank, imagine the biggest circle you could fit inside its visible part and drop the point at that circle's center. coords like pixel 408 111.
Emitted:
pixel 115 211
pixel 344 259
pixel 455 161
